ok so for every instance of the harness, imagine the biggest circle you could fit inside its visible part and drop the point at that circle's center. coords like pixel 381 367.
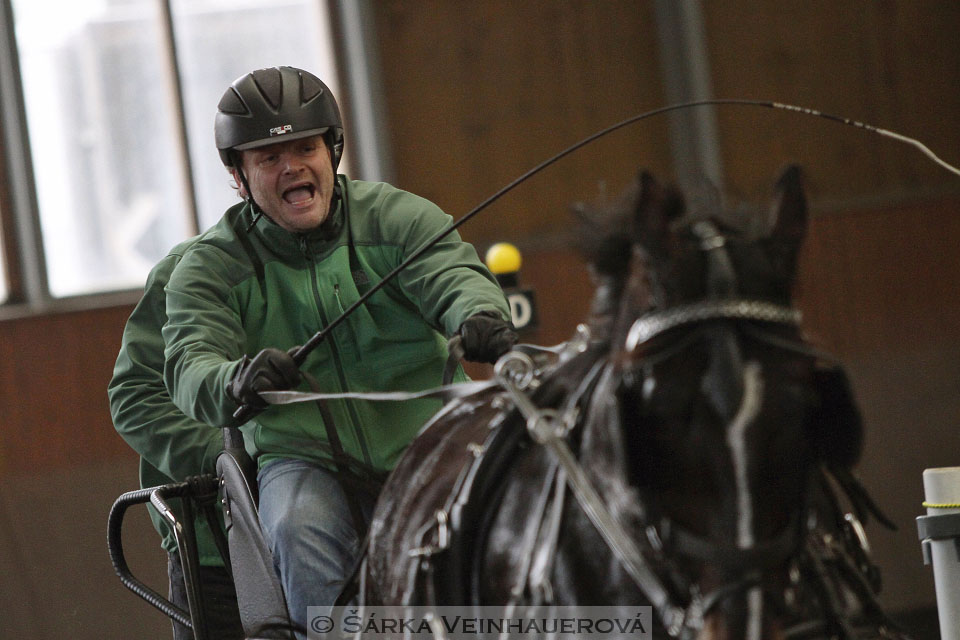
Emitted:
pixel 551 429
pixel 825 556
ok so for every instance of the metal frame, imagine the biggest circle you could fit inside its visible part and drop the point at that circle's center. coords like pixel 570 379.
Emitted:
pixel 175 87
pixel 195 618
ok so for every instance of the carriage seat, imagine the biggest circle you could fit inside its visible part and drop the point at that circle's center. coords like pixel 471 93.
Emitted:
pixel 263 608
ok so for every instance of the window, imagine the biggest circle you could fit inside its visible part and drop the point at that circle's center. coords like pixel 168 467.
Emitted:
pixel 119 98
pixel 102 140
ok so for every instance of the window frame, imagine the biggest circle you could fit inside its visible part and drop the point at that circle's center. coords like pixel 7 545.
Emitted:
pixel 24 264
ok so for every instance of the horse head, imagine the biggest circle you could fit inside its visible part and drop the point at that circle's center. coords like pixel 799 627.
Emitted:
pixel 721 409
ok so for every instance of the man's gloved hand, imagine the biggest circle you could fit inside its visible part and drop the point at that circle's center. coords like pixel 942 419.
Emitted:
pixel 485 337
pixel 270 370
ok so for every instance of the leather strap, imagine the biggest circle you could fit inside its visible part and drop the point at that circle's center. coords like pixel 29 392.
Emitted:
pixel 340 461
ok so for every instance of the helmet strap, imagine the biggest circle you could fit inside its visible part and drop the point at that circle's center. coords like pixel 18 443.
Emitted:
pixel 257 211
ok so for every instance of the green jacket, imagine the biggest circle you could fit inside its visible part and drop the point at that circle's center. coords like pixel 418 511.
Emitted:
pixel 171 445
pixel 235 293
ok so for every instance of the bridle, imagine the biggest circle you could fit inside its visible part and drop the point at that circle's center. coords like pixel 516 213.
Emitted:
pixel 723 309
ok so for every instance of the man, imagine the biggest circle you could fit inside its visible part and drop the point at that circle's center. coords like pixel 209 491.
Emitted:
pixel 304 246
pixel 172 448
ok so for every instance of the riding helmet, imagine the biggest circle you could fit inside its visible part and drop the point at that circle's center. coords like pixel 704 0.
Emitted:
pixel 275 105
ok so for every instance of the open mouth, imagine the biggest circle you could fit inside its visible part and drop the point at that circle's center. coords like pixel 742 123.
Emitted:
pixel 299 194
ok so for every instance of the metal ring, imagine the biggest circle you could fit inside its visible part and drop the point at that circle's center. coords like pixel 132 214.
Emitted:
pixel 515 367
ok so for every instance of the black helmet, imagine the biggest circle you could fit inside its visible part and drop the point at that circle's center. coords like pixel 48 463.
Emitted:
pixel 274 105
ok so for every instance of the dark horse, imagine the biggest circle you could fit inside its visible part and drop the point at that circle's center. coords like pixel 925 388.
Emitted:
pixel 687 449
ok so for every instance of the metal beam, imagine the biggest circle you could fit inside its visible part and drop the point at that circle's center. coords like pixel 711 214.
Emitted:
pixel 686 75
pixel 33 287
pixel 356 34
pixel 175 89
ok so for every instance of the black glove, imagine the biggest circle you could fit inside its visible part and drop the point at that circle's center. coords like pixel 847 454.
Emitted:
pixel 485 337
pixel 270 370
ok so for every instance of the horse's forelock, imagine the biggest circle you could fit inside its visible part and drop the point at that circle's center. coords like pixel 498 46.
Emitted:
pixel 604 237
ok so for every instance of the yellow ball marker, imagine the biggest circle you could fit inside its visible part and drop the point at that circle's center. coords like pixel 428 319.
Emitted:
pixel 503 258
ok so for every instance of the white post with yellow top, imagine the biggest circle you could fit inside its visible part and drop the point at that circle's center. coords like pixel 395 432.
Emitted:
pixel 939 533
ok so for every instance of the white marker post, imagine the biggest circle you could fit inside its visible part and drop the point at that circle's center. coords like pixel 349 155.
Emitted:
pixel 939 533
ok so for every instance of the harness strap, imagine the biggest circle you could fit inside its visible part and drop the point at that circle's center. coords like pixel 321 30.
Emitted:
pixel 652 324
pixel 446 392
pixel 243 237
pixel 721 278
pixel 340 457
pixel 360 277
pixel 538 582
pixel 760 556
pixel 546 429
pixel 830 598
pixel 531 535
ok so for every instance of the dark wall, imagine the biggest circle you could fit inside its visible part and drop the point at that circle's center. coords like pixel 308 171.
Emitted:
pixel 478 92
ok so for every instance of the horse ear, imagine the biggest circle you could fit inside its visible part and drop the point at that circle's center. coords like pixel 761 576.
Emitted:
pixel 789 221
pixel 656 209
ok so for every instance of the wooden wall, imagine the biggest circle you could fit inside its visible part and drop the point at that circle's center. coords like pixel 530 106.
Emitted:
pixel 477 93
pixel 890 64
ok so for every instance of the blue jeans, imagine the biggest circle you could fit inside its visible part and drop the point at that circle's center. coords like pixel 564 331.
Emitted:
pixel 311 533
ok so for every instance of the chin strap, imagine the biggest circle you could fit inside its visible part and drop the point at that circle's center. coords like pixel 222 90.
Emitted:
pixel 257 211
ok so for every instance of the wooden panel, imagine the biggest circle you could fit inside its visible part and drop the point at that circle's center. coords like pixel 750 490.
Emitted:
pixel 884 279
pixel 479 92
pixel 892 64
pixel 57 578
pixel 54 372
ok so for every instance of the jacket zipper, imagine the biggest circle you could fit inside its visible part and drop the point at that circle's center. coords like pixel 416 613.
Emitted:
pixel 336 294
pixel 342 309
pixel 335 353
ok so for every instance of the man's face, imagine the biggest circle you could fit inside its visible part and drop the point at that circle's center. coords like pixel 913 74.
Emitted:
pixel 291 181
